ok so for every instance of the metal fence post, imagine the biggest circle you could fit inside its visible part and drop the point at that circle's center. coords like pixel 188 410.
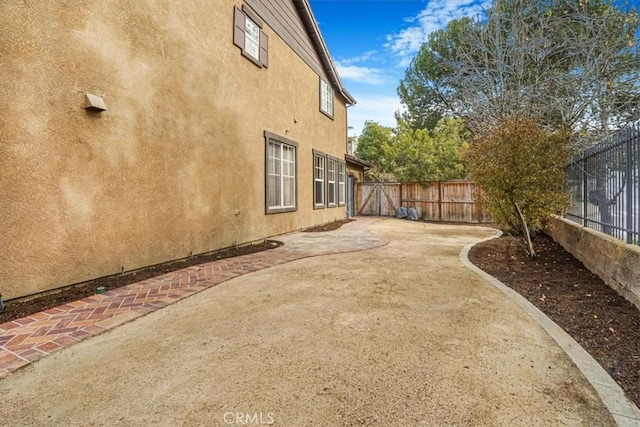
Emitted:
pixel 585 194
pixel 636 140
pixel 606 169
pixel 629 184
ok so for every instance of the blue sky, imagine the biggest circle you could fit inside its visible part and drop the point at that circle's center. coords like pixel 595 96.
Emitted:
pixel 373 41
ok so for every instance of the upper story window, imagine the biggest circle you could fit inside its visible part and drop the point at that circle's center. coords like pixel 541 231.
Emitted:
pixel 252 39
pixel 326 98
pixel 249 37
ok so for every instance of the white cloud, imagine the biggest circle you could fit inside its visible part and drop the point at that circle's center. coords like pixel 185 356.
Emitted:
pixel 375 73
pixel 365 75
pixel 378 108
pixel 357 59
pixel 435 16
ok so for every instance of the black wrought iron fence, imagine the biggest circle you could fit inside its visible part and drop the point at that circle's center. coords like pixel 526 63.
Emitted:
pixel 604 184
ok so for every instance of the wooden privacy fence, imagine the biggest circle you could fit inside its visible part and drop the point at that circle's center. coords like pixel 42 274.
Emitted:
pixel 454 201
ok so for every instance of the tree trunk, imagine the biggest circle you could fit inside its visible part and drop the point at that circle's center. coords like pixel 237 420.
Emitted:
pixel 525 231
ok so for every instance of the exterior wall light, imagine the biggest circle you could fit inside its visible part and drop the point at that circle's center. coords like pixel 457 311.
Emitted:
pixel 94 103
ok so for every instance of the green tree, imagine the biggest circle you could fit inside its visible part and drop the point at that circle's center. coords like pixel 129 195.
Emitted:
pixel 426 90
pixel 409 154
pixel 520 167
pixel 564 62
pixel 374 146
pixel 412 154
pixel 422 156
pixel 451 138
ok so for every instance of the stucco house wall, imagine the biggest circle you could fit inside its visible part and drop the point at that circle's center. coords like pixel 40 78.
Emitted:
pixel 175 166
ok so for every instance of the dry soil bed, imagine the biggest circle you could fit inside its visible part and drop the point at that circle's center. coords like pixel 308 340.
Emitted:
pixel 27 306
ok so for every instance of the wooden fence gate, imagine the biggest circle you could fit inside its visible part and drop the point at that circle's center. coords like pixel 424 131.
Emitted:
pixel 454 201
pixel 377 198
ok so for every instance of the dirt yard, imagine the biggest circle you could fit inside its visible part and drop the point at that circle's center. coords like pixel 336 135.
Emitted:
pixel 398 335
pixel 596 316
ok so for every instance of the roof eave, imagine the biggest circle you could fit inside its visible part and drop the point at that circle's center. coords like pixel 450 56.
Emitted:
pixel 313 30
pixel 356 161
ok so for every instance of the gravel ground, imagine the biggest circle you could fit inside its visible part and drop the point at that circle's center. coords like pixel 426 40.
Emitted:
pixel 596 316
pixel 398 335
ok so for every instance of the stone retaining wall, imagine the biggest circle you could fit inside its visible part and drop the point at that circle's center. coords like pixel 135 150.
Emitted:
pixel 617 263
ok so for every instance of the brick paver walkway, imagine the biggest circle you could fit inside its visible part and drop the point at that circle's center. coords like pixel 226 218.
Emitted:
pixel 25 340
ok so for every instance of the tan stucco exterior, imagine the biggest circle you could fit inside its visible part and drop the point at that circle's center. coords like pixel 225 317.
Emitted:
pixel 356 167
pixel 175 166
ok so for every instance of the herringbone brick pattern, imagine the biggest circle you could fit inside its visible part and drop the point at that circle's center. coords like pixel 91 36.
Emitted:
pixel 25 340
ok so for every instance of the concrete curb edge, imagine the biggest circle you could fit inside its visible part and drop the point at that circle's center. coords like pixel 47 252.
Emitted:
pixel 624 412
